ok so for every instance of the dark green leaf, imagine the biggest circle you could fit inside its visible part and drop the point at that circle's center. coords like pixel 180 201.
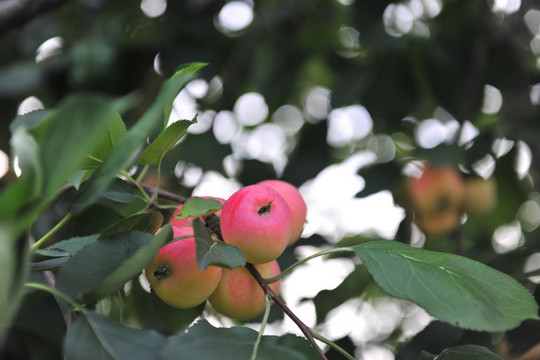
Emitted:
pixel 49 264
pixel 95 336
pixel 27 150
pixel 134 265
pixel 202 341
pixel 29 120
pixel 67 247
pixel 120 191
pixel 149 222
pixel 175 319
pixel 105 266
pixel 213 253
pixel 114 130
pixel 452 288
pixel 198 206
pixel 153 154
pixel 182 75
pixel 468 352
pixel 122 153
pixel 67 136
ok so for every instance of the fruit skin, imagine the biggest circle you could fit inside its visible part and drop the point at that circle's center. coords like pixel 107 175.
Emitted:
pixel 436 198
pixel 258 221
pixel 185 285
pixel 239 296
pixel 480 195
pixel 185 222
pixel 295 202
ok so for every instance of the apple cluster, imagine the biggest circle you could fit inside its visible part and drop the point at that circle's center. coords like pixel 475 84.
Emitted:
pixel 440 196
pixel 261 220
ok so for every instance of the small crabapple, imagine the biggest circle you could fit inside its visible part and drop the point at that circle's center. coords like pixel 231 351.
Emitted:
pixel 239 296
pixel 258 221
pixel 175 276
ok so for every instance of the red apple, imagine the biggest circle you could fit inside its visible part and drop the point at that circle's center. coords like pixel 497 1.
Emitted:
pixel 258 221
pixel 175 276
pixel 239 296
pixel 436 198
pixel 295 202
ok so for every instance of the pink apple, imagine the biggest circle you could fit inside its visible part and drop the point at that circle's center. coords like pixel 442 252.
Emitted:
pixel 185 222
pixel 175 276
pixel 239 296
pixel 258 221
pixel 295 202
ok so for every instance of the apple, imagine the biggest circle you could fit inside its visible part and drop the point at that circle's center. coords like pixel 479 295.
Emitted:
pixel 185 222
pixel 295 202
pixel 175 276
pixel 480 195
pixel 436 198
pixel 437 224
pixel 239 296
pixel 258 221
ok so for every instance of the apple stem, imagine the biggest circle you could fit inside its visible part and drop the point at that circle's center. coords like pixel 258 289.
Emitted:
pixel 273 296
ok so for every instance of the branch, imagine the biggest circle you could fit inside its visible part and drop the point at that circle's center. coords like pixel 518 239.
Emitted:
pixel 15 13
pixel 273 296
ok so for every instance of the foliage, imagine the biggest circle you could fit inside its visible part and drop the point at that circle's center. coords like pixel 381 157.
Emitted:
pixel 104 165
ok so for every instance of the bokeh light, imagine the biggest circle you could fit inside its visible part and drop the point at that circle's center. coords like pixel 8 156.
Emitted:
pixel 492 100
pixel 153 8
pixel 29 104
pixel 49 48
pixel 4 164
pixel 226 128
pixel 348 124
pixel 316 102
pixel 251 109
pixel 234 16
pixel 507 237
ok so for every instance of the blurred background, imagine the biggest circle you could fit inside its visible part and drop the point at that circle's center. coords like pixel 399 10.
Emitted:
pixel 333 96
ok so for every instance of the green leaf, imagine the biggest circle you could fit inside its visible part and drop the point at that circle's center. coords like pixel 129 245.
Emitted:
pixel 67 247
pixel 119 191
pixel 175 319
pixel 184 73
pixel 95 336
pixel 122 153
pixel 468 352
pixel 452 288
pixel 67 136
pixel 27 150
pixel 102 268
pixel 149 222
pixel 114 130
pixel 214 253
pixel 29 120
pixel 154 153
pixel 198 206
pixel 203 341
pixel 14 259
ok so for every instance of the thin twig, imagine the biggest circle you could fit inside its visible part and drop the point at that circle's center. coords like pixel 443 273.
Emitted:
pixel 268 291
